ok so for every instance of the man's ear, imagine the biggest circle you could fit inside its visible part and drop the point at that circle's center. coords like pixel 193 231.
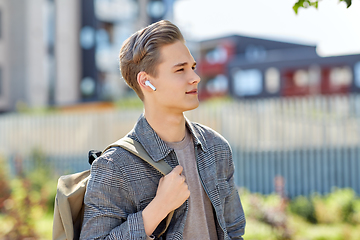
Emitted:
pixel 142 77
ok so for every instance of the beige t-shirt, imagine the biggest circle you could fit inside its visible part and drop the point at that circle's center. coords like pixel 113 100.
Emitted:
pixel 200 221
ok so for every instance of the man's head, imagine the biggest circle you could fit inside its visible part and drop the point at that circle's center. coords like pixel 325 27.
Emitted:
pixel 141 51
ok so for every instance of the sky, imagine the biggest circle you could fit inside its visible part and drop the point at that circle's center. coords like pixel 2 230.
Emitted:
pixel 333 28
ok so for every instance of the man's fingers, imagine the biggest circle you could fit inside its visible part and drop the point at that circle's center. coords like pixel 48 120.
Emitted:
pixel 178 169
pixel 182 179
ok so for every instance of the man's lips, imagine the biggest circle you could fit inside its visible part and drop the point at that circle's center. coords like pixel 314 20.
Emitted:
pixel 194 91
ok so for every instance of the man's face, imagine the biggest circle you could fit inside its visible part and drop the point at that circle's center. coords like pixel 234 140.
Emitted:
pixel 176 82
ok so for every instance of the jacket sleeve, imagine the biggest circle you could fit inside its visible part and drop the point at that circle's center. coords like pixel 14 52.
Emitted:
pixel 110 212
pixel 234 213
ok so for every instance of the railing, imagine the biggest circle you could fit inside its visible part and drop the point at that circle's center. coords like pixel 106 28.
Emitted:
pixel 313 143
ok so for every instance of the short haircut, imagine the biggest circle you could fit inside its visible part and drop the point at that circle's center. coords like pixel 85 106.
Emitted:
pixel 141 51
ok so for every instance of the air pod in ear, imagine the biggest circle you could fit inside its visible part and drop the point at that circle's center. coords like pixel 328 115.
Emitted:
pixel 147 83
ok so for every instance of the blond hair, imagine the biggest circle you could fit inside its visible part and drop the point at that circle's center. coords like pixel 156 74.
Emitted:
pixel 141 51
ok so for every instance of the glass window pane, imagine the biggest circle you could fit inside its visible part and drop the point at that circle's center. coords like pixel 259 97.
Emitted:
pixel 272 80
pixel 357 74
pixel 248 82
pixel 301 78
pixel 1 83
pixel 340 76
pixel 1 22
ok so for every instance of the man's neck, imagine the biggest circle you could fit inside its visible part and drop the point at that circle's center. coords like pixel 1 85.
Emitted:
pixel 169 127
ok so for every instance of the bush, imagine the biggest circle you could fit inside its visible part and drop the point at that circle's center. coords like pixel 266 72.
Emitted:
pixel 336 207
pixel 303 207
pixel 30 200
pixel 356 215
pixel 270 213
pixel 4 186
pixel 339 206
pixel 333 216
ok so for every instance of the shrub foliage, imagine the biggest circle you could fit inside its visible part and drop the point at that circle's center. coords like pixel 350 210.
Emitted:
pixel 27 199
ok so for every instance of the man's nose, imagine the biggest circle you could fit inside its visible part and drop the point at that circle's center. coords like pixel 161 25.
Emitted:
pixel 195 78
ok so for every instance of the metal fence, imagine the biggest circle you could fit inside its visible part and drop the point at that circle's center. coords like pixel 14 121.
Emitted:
pixel 313 143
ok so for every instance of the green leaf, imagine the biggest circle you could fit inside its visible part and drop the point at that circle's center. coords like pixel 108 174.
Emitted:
pixel 296 7
pixel 306 4
pixel 348 2
pixel 314 4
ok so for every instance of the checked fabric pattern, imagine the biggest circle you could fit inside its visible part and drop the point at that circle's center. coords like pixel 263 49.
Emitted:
pixel 121 185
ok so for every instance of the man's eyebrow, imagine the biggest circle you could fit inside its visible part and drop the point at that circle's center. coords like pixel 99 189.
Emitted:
pixel 183 64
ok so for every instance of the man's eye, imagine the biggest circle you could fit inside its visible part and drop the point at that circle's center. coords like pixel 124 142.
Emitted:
pixel 179 70
pixel 194 68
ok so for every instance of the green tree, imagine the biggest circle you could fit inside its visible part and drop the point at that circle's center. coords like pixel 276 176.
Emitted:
pixel 313 3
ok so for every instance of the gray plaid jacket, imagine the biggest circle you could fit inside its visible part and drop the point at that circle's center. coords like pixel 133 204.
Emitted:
pixel 121 185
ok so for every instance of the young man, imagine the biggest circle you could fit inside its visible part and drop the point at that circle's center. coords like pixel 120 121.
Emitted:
pixel 126 198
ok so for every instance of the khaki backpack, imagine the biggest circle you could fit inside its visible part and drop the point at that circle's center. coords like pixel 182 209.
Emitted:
pixel 69 201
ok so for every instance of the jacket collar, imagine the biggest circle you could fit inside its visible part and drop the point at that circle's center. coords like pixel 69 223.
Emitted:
pixel 155 146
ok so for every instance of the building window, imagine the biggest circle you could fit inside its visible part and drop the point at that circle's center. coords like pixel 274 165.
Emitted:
pixel 248 82
pixel 255 53
pixel 301 78
pixel 1 83
pixel 217 55
pixel 217 85
pixel 1 22
pixel 116 11
pixel 357 74
pixel 314 79
pixel 340 76
pixel 272 80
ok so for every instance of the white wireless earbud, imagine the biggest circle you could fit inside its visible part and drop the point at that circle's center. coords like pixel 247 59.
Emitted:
pixel 147 83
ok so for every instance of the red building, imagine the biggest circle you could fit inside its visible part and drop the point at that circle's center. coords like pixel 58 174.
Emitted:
pixel 247 67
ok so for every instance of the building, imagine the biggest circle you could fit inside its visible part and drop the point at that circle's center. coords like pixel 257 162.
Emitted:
pixel 65 52
pixel 246 67
pixel 36 72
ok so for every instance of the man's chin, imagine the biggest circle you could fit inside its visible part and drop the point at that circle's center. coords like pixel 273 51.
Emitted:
pixel 193 106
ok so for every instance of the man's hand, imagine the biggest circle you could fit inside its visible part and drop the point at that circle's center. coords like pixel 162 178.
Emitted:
pixel 172 192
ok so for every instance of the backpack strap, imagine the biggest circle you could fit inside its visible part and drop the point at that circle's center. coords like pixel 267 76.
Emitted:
pixel 137 149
